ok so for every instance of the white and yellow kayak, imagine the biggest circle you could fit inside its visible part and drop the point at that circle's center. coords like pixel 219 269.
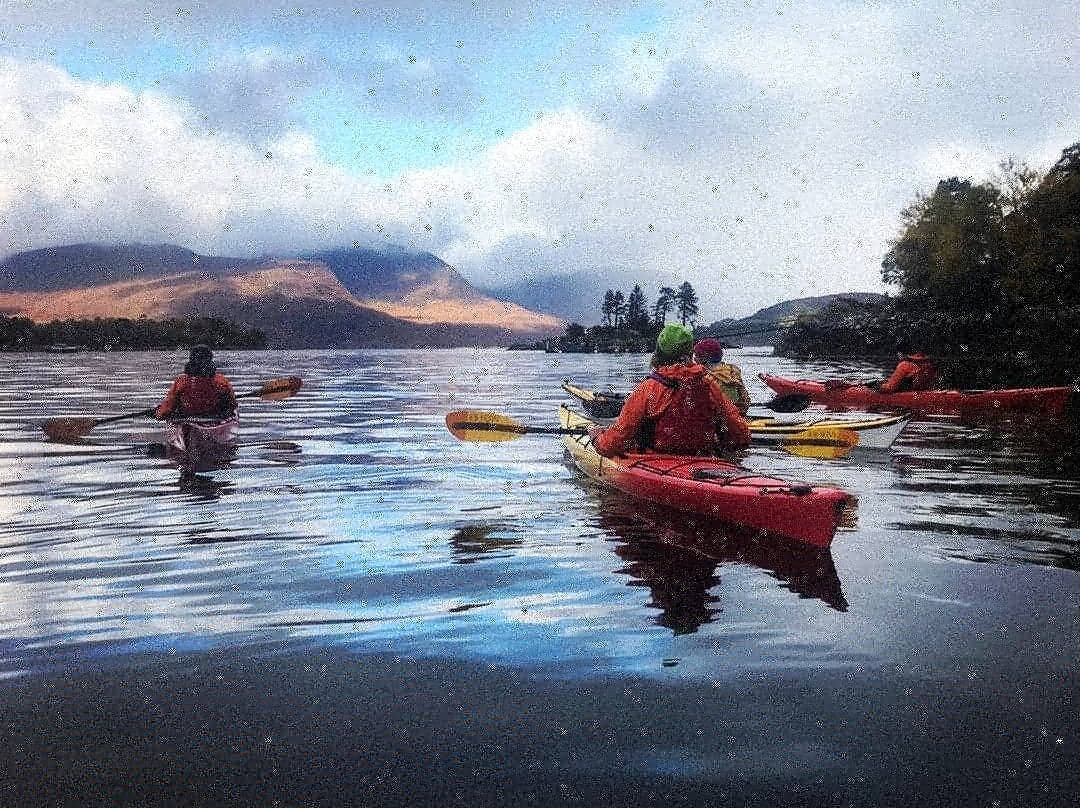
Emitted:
pixel 874 431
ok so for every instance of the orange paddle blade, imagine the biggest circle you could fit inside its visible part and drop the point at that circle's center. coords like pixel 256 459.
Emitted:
pixel 68 430
pixel 480 426
pixel 278 389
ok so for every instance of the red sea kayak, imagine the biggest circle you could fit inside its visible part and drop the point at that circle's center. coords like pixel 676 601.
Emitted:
pixel 715 488
pixel 1040 402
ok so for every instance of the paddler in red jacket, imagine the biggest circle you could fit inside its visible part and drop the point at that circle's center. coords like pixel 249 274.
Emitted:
pixel 200 392
pixel 678 409
pixel 914 372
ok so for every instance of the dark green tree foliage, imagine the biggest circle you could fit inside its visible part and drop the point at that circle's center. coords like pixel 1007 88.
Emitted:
pixel 608 307
pixel 123 334
pixel 637 311
pixel 665 302
pixel 952 246
pixel 618 307
pixel 988 279
pixel 686 303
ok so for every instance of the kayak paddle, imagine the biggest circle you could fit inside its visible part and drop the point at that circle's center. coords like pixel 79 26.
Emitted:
pixel 607 405
pixel 479 426
pixel 822 442
pixel 65 430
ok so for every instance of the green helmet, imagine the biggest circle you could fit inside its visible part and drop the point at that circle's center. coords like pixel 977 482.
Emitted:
pixel 675 340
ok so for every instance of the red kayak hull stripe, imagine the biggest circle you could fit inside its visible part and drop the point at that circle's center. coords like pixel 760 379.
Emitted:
pixel 1044 402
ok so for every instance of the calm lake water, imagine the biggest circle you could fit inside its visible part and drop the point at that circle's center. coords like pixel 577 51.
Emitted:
pixel 393 617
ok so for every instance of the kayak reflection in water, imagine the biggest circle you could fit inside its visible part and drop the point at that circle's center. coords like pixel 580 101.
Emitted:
pixel 710 353
pixel 679 409
pixel 679 557
pixel 201 410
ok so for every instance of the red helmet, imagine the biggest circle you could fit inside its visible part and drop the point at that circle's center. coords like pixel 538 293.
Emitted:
pixel 709 349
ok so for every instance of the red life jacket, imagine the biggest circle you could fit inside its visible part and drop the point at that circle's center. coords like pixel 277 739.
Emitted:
pixel 201 395
pixel 923 375
pixel 687 424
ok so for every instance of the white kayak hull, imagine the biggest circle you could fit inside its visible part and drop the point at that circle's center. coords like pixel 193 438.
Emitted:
pixel 873 432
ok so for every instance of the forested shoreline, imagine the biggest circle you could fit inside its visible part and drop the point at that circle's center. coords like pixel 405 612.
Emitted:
pixel 987 280
pixel 124 334
pixel 630 324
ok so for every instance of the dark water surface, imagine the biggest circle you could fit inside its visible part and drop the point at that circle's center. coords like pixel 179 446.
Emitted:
pixel 395 618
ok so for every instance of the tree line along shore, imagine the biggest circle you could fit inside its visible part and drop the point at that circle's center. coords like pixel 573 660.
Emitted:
pixel 987 280
pixel 124 334
pixel 630 323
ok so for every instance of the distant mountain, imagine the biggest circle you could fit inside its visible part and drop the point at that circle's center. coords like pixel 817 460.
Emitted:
pixel 571 297
pixel 347 297
pixel 392 273
pixel 763 326
pixel 78 266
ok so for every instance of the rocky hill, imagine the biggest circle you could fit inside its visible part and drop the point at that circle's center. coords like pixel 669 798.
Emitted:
pixel 350 297
pixel 763 327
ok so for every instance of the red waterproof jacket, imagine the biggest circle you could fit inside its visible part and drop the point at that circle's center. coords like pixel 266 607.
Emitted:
pixel 194 396
pixel 914 372
pixel 679 409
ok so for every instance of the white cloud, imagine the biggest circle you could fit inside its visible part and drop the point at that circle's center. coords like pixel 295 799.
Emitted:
pixel 759 154
pixel 84 161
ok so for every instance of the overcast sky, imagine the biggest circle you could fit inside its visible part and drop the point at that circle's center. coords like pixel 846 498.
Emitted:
pixel 761 150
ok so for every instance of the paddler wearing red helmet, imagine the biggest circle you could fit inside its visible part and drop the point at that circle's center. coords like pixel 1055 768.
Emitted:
pixel 678 409
pixel 710 353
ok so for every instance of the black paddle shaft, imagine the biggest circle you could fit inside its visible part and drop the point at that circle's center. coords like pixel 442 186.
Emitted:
pixel 519 429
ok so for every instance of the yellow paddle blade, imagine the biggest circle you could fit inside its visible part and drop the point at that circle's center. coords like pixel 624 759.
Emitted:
pixel 479 426
pixel 822 442
pixel 278 389
pixel 68 430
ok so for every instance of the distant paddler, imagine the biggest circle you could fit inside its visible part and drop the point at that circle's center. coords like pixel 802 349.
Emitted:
pixel 710 353
pixel 200 392
pixel 200 410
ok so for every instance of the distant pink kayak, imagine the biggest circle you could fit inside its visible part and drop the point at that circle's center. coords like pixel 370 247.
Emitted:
pixel 1029 402
pixel 197 444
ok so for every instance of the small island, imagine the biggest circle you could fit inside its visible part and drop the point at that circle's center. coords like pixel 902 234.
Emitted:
pixel 630 324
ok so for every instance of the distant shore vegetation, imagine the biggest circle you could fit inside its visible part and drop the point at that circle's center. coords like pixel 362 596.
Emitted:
pixel 124 334
pixel 629 322
pixel 987 278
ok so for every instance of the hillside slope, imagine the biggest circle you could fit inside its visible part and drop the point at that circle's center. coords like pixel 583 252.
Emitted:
pixel 340 298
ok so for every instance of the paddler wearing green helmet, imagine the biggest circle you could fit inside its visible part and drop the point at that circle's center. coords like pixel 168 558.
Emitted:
pixel 679 409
